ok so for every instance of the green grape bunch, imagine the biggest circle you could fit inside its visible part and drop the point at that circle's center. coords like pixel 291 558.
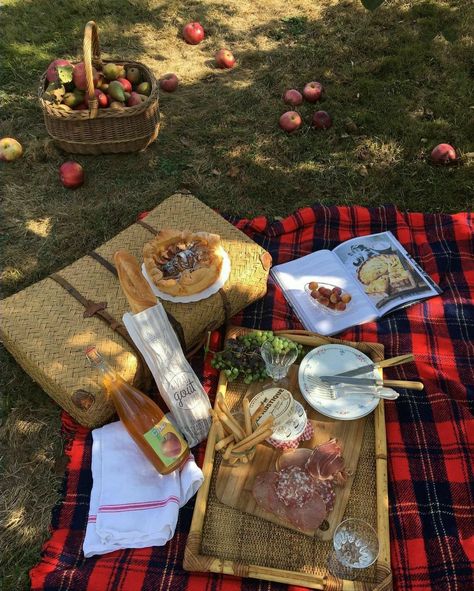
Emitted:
pixel 241 357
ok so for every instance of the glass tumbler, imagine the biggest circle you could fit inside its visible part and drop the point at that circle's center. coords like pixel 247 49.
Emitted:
pixel 277 363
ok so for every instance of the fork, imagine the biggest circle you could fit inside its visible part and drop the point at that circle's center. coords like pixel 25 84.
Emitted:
pixel 331 391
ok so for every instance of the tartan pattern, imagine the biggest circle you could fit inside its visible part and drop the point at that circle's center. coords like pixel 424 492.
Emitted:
pixel 429 433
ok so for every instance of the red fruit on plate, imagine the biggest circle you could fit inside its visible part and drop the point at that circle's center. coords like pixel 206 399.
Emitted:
pixel 193 33
pixel 313 92
pixel 71 174
pixel 169 82
pixel 52 72
pixel 321 120
pixel 225 59
pixel 10 149
pixel 293 97
pixel 443 154
pixel 290 121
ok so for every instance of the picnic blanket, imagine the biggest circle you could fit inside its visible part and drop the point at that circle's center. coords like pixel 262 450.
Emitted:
pixel 429 433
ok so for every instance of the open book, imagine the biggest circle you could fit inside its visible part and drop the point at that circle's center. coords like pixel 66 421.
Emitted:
pixel 375 270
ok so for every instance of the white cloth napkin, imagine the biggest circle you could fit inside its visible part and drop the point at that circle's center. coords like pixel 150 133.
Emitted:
pixel 132 505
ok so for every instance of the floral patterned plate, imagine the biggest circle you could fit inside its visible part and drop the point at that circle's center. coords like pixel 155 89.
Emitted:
pixel 350 403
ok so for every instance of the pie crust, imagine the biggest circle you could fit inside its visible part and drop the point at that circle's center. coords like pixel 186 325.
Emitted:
pixel 182 263
pixel 384 274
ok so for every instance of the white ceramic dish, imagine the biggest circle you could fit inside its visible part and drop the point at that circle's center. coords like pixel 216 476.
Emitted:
pixel 331 360
pixel 321 307
pixel 196 297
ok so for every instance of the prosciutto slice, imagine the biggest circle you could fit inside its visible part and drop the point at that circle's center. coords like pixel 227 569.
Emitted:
pixel 326 461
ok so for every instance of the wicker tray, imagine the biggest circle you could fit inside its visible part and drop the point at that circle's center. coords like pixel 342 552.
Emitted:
pixel 47 330
pixel 102 131
pixel 225 540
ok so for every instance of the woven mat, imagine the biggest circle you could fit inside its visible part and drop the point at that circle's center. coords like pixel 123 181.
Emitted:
pixel 232 535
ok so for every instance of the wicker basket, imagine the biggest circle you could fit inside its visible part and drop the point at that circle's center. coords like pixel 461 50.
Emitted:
pixel 102 131
pixel 47 329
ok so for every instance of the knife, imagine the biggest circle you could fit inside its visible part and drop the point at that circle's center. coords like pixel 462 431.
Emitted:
pixel 384 363
pixel 371 382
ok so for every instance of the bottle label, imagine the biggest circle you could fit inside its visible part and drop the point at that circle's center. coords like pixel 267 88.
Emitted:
pixel 165 441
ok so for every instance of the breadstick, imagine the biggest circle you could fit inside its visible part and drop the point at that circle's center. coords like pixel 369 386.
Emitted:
pixel 247 417
pixel 227 452
pixel 257 414
pixel 232 426
pixel 266 426
pixel 252 441
pixel 223 442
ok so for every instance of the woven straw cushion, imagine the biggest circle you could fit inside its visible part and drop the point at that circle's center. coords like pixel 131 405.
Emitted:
pixel 44 328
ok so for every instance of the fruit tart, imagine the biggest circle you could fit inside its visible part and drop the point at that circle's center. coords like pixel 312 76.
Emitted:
pixel 182 263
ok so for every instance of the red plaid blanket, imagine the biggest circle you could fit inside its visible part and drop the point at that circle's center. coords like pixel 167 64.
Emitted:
pixel 429 433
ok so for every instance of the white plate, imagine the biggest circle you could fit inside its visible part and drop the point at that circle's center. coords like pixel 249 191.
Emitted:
pixel 195 297
pixel 331 360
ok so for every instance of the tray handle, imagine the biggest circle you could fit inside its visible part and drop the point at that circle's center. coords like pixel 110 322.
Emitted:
pixel 91 50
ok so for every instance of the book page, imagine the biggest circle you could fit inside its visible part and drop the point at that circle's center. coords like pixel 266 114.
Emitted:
pixel 385 271
pixel 324 267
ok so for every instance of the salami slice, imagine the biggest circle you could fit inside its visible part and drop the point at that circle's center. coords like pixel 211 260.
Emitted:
pixel 294 486
pixel 264 493
pixel 325 488
pixel 310 515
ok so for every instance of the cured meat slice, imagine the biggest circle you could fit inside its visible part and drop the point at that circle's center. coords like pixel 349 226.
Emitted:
pixel 264 493
pixel 310 515
pixel 326 489
pixel 325 460
pixel 294 486
pixel 298 457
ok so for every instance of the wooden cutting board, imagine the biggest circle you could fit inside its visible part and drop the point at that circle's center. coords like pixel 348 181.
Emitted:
pixel 234 482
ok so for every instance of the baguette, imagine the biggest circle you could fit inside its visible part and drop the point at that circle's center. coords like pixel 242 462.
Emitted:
pixel 133 283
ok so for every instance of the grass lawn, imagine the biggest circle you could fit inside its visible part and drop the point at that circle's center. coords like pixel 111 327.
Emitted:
pixel 403 75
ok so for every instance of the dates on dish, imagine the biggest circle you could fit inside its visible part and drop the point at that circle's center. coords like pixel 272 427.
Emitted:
pixel 330 296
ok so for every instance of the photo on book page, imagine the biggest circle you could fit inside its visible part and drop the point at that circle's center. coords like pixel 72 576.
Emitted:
pixel 385 271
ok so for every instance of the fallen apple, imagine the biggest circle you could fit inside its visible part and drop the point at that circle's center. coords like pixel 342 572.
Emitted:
pixel 290 121
pixel 313 92
pixel 225 59
pixel 293 97
pixel 193 33
pixel 443 154
pixel 169 82
pixel 321 120
pixel 10 149
pixel 71 174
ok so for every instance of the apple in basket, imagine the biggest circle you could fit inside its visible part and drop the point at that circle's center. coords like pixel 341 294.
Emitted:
pixel 169 82
pixel 313 92
pixel 290 121
pixel 443 154
pixel 10 149
pixel 293 97
pixel 71 174
pixel 101 99
pixel 193 33
pixel 79 76
pixel 135 99
pixel 52 71
pixel 225 59
pixel 126 84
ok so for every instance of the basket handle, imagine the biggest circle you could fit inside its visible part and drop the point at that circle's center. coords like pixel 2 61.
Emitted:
pixel 91 55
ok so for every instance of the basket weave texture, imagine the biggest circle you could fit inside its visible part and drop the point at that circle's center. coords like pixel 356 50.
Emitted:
pixel 44 329
pixel 102 131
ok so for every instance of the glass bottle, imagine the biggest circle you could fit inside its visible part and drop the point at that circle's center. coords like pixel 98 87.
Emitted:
pixel 146 423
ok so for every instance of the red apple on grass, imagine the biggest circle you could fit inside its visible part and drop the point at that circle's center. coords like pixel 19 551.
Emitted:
pixel 71 174
pixel 225 59
pixel 290 121
pixel 443 154
pixel 10 149
pixel 193 33
pixel 293 97
pixel 169 82
pixel 321 120
pixel 313 92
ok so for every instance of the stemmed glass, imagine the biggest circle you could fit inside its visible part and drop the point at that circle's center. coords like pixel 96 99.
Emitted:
pixel 356 547
pixel 278 361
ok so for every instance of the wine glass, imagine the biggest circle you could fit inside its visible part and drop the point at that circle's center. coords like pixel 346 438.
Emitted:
pixel 356 547
pixel 278 360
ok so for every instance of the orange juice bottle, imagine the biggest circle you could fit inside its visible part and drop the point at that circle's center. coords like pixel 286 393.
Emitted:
pixel 154 434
